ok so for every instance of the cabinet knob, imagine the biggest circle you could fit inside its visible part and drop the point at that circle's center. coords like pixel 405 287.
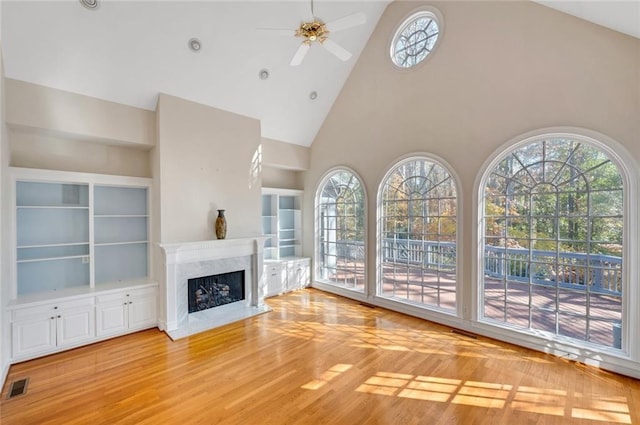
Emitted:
pixel 125 304
pixel 130 302
pixel 52 317
pixel 58 316
pixel 55 308
pixel 127 295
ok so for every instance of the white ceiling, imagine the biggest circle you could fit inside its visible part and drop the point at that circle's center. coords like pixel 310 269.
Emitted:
pixel 620 15
pixel 129 51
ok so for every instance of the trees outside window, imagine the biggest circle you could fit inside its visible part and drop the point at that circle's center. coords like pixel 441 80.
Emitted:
pixel 340 230
pixel 553 224
pixel 417 234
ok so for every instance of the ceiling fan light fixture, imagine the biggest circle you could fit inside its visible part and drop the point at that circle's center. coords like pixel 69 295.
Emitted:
pixel 90 4
pixel 313 31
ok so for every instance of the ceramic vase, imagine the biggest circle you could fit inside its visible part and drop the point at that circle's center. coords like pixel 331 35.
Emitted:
pixel 221 225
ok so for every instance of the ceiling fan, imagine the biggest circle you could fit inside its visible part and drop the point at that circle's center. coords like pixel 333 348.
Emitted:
pixel 314 30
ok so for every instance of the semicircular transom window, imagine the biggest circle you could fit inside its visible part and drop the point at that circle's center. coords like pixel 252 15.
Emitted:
pixel 415 39
pixel 553 241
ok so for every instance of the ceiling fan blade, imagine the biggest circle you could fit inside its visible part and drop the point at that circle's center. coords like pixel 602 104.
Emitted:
pixel 346 22
pixel 307 13
pixel 300 54
pixel 278 31
pixel 336 49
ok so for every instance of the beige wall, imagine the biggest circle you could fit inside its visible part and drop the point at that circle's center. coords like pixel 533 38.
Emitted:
pixel 37 149
pixel 501 69
pixel 39 107
pixel 58 130
pixel 284 155
pixel 282 179
pixel 207 160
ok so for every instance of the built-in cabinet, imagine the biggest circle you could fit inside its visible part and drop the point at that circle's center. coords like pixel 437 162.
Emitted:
pixel 81 266
pixel 284 268
pixel 281 223
pixel 124 311
pixel 44 328
pixel 287 274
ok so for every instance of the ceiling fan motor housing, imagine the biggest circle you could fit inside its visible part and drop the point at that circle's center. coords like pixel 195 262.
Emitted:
pixel 313 31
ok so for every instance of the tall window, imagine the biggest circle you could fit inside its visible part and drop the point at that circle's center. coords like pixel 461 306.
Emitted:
pixel 417 234
pixel 553 225
pixel 340 230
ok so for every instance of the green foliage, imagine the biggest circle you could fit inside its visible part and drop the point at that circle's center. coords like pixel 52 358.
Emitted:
pixel 556 194
pixel 419 202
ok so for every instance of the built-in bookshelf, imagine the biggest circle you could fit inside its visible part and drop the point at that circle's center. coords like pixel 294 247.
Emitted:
pixel 281 223
pixel 75 230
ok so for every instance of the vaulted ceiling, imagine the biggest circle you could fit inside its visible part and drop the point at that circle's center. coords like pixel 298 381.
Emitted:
pixel 129 51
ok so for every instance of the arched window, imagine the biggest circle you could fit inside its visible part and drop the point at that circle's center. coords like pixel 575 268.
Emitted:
pixel 340 230
pixel 553 224
pixel 417 231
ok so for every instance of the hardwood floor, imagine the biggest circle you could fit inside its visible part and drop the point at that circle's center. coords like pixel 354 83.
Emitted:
pixel 316 359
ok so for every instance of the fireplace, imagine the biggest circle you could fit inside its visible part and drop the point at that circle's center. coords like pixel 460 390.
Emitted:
pixel 215 290
pixel 198 261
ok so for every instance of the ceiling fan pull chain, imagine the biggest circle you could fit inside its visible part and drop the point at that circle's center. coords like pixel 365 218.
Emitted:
pixel 312 12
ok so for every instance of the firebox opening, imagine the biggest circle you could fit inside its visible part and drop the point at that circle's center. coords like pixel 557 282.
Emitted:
pixel 216 290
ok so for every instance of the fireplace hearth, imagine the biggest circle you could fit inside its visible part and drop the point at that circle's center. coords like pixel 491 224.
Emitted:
pixel 215 290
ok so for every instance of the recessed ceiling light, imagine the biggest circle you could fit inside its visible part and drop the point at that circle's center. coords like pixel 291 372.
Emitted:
pixel 263 74
pixel 313 95
pixel 195 45
pixel 90 4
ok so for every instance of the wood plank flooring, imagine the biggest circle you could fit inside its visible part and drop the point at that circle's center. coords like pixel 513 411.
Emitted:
pixel 316 359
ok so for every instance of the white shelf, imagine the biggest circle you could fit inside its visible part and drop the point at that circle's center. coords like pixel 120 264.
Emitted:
pixel 52 245
pixel 119 243
pixel 50 207
pixel 70 257
pixel 120 216
pixel 78 230
pixel 281 222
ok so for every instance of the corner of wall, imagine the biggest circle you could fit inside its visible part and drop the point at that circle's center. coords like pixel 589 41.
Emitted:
pixel 4 201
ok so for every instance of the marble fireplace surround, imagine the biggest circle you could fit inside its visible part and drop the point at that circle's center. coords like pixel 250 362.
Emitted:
pixel 188 260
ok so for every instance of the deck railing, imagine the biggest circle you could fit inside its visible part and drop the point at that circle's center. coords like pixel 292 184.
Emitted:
pixel 600 273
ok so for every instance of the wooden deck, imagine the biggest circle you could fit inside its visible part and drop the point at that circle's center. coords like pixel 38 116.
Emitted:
pixel 316 359
pixel 433 288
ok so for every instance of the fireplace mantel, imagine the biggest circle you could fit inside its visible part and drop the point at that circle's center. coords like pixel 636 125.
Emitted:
pixel 190 259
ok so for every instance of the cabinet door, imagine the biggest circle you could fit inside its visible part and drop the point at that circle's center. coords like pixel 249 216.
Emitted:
pixel 275 279
pixel 34 336
pixel 142 312
pixel 74 327
pixel 297 274
pixel 112 318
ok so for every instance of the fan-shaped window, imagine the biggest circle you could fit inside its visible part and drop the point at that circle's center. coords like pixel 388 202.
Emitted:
pixel 340 221
pixel 417 234
pixel 415 39
pixel 553 241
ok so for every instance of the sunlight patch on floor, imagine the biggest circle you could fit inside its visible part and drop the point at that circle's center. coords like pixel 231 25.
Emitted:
pixel 546 401
pixel 328 375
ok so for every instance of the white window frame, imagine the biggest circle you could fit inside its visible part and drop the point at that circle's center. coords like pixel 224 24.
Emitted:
pixel 460 308
pixel 434 14
pixel 559 345
pixel 324 283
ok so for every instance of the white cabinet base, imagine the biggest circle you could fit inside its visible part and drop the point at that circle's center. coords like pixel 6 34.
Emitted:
pixel 46 327
pixel 34 336
pixel 75 327
pixel 286 274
